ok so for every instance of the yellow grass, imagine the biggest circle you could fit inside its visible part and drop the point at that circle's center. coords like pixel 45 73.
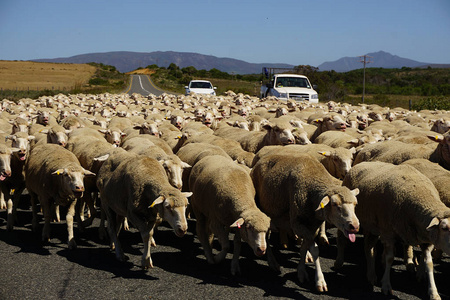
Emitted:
pixel 24 75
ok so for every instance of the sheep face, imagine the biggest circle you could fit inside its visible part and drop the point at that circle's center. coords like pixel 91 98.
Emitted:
pixel 21 143
pixel 280 135
pixel 71 180
pixel 334 123
pixel 339 210
pixel 439 230
pixel 57 137
pixel 254 236
pixel 5 163
pixel 173 210
pixel 174 172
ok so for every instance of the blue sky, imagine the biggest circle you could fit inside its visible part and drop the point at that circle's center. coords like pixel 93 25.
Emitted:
pixel 283 31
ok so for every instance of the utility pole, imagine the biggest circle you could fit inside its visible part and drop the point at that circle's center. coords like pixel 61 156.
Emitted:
pixel 365 59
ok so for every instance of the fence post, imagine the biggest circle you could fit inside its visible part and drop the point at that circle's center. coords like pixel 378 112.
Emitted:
pixel 410 104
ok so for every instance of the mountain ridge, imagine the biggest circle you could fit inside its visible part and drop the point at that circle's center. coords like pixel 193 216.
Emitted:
pixel 126 61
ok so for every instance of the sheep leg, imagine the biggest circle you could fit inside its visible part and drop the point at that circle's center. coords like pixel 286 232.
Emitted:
pixel 322 238
pixel 146 230
pixel 87 199
pixel 427 262
pixel 301 269
pixel 101 227
pixel 69 220
pixel 321 285
pixel 47 218
pixel 222 236
pixel 113 230
pixel 341 244
pixel 369 248
pixel 271 260
pixel 34 221
pixel 389 259
pixel 235 268
pixel 203 237
pixel 2 201
pixel 409 258
pixel 10 216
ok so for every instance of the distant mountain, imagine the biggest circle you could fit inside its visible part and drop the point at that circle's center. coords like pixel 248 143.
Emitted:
pixel 378 59
pixel 128 61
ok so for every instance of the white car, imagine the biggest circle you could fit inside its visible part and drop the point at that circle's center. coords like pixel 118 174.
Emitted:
pixel 200 87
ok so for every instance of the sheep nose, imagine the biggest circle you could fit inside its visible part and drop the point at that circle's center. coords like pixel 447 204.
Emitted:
pixel 260 251
pixel 62 144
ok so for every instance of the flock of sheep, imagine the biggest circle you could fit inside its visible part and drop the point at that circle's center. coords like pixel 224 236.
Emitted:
pixel 246 164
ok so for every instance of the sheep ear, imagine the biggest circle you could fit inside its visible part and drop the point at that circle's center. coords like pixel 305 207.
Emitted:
pixel 353 150
pixel 185 165
pixel 353 142
pixel 101 158
pixel 104 131
pixel 437 138
pixel 88 173
pixel 187 194
pixel 31 137
pixel 324 153
pixel 59 172
pixel 323 203
pixel 434 222
pixel 158 200
pixel 355 192
pixel 238 223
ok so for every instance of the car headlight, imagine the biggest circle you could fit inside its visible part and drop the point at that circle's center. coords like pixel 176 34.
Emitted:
pixel 283 95
pixel 314 96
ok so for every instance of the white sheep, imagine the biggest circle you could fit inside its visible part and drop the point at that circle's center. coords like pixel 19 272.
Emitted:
pixel 398 202
pixel 223 197
pixel 298 194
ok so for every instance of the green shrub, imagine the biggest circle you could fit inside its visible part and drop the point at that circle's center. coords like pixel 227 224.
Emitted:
pixel 433 103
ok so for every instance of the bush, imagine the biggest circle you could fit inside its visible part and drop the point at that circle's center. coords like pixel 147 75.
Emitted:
pixel 98 81
pixel 433 103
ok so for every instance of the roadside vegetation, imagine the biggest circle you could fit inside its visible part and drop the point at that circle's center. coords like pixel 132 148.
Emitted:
pixel 33 80
pixel 406 87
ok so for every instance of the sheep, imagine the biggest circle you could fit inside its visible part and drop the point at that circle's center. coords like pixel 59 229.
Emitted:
pixel 231 147
pixel 113 135
pixel 72 122
pixel 397 152
pixel 328 122
pixel 57 135
pixel 136 187
pixel 19 125
pixel 171 163
pixel 337 161
pixel 5 171
pixel 441 126
pixel 337 139
pixel 279 134
pixel 54 174
pixel 398 202
pixel 13 185
pixel 224 198
pixel 194 152
pixel 298 194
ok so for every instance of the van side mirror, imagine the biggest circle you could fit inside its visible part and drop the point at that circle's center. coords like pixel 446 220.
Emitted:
pixel 314 86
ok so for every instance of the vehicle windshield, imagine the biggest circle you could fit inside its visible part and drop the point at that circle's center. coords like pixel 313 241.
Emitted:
pixel 292 82
pixel 201 85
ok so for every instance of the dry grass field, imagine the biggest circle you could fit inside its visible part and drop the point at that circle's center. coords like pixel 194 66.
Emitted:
pixel 26 75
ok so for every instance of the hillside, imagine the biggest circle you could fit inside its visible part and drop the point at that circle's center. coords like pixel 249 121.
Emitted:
pixel 27 75
pixel 378 59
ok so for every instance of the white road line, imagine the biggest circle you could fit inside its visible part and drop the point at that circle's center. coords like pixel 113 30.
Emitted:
pixel 140 82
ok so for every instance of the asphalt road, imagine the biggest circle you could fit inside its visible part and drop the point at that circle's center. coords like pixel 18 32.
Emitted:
pixel 32 270
pixel 142 84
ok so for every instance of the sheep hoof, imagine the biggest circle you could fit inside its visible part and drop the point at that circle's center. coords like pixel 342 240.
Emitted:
pixel 72 244
pixel 322 286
